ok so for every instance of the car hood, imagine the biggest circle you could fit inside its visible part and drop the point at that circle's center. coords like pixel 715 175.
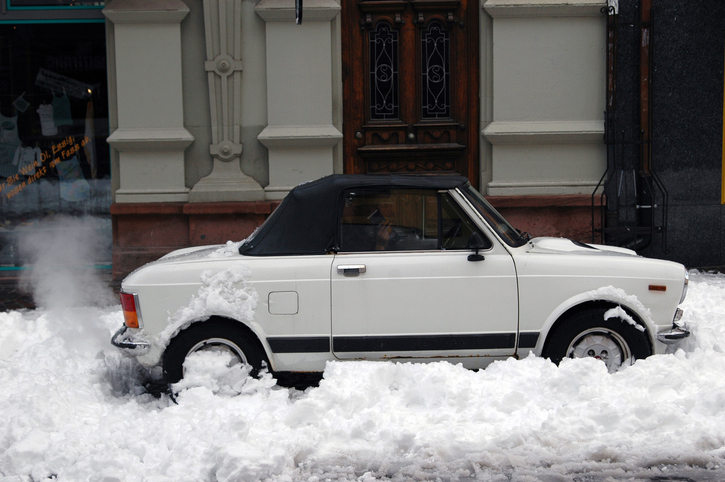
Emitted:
pixel 567 246
pixel 189 254
pixel 186 254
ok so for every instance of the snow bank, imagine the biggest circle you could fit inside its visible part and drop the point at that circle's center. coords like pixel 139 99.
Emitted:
pixel 228 250
pixel 74 409
pixel 226 293
pixel 620 296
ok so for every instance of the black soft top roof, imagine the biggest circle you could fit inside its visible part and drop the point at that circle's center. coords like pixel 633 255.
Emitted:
pixel 306 221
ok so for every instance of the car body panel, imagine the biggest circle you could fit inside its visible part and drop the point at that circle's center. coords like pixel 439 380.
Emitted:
pixel 553 282
pixel 418 304
pixel 175 295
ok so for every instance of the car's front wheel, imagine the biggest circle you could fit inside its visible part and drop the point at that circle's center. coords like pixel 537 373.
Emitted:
pixel 215 336
pixel 586 334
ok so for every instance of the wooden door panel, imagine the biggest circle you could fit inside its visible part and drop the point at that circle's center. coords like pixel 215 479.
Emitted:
pixel 410 82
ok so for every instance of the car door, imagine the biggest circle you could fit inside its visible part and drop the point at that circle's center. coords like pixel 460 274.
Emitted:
pixel 403 285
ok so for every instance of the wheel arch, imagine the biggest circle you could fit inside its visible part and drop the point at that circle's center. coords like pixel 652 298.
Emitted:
pixel 560 316
pixel 250 330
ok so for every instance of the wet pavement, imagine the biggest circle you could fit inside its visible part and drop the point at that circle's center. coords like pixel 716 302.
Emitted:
pixel 12 296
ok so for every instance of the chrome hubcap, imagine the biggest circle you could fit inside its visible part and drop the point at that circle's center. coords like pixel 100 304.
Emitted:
pixel 221 345
pixel 602 344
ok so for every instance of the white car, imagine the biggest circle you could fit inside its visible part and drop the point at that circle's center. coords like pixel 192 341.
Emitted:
pixel 398 267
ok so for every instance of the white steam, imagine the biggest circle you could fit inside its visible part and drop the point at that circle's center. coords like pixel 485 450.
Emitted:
pixel 59 256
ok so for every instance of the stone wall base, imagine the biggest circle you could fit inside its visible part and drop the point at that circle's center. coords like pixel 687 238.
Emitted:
pixel 143 232
pixel 564 216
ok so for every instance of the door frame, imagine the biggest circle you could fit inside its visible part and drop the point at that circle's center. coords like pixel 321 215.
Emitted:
pixel 350 54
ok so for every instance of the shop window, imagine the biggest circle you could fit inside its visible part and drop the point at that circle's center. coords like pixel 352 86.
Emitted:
pixel 54 158
pixel 55 3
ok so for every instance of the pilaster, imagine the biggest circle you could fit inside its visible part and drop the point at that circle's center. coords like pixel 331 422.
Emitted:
pixel 301 134
pixel 546 134
pixel 150 138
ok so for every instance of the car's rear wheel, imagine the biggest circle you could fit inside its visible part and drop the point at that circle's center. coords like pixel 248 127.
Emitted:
pixel 586 334
pixel 215 336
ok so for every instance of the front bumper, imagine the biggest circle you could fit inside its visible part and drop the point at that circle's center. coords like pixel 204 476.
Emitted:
pixel 677 333
pixel 673 336
pixel 131 343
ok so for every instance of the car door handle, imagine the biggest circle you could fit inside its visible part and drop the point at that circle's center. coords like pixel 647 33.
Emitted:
pixel 351 269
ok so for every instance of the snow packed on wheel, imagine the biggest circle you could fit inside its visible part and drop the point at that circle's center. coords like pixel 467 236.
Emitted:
pixel 398 267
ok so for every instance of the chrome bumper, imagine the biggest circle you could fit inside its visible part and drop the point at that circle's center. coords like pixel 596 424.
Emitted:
pixel 133 345
pixel 673 336
pixel 677 333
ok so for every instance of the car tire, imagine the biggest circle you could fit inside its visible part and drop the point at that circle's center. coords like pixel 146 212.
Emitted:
pixel 214 334
pixel 587 334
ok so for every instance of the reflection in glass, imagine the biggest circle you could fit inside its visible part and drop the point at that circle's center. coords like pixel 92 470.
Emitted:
pixel 54 158
pixel 56 3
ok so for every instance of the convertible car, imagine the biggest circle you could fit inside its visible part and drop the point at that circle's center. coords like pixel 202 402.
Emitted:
pixel 398 267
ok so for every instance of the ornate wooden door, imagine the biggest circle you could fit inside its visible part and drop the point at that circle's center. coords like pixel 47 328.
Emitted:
pixel 410 83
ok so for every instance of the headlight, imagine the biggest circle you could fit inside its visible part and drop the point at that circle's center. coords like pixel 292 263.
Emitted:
pixel 684 288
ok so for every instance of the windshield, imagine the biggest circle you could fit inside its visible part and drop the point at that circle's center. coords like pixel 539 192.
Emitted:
pixel 509 234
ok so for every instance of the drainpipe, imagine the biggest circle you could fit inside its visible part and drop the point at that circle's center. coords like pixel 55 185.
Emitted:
pixel 645 196
pixel 609 212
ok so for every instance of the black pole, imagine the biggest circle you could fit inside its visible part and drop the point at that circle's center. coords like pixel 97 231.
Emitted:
pixel 298 12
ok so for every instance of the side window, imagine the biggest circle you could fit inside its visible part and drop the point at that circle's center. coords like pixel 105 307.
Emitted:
pixel 457 226
pixel 389 220
pixel 403 220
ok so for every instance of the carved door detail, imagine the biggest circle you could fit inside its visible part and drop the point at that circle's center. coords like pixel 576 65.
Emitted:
pixel 410 83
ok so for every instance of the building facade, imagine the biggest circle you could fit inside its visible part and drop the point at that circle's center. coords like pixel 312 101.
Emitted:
pixel 207 112
pixel 220 107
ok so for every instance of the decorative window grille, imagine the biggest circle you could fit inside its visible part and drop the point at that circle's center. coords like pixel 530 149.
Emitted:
pixel 435 71
pixel 384 101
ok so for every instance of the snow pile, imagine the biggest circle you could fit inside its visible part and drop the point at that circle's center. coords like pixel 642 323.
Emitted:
pixel 227 250
pixel 74 409
pixel 618 295
pixel 618 312
pixel 226 293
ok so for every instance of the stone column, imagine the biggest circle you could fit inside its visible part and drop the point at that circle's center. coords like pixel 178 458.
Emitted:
pixel 150 138
pixel 301 134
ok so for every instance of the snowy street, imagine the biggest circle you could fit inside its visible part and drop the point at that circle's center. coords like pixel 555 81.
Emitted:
pixel 74 409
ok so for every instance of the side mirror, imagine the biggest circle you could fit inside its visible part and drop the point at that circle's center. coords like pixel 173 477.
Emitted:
pixel 476 242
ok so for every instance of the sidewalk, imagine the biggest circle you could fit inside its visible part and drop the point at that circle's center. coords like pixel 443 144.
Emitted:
pixel 11 296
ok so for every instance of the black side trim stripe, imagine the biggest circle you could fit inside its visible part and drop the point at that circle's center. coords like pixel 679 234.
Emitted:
pixel 343 344
pixel 528 340
pixel 299 344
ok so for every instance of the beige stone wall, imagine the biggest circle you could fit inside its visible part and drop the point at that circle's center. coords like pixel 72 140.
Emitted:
pixel 541 94
pixel 217 99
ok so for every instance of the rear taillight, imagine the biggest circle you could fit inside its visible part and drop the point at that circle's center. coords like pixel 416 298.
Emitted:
pixel 128 304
